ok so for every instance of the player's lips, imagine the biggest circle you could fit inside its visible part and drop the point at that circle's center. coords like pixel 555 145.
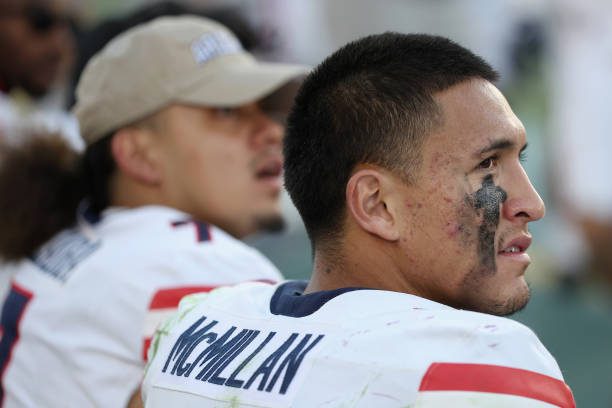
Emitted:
pixel 269 171
pixel 516 249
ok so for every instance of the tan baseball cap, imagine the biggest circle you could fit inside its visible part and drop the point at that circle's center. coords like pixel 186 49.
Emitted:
pixel 184 59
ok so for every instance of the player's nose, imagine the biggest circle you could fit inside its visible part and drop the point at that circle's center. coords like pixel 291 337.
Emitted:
pixel 266 130
pixel 523 204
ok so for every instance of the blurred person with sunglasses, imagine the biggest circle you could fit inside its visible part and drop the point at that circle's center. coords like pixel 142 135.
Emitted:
pixel 36 53
pixel 35 39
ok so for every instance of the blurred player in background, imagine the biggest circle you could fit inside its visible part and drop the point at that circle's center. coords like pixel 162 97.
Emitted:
pixel 581 72
pixel 34 41
pixel 404 161
pixel 36 53
pixel 181 159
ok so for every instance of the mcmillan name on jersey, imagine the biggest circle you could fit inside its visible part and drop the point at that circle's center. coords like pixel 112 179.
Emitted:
pixel 270 346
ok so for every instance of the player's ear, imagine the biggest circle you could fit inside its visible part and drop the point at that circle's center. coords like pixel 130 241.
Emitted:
pixel 367 192
pixel 133 151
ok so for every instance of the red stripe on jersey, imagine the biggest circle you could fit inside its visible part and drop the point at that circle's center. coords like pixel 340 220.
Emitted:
pixel 165 298
pixel 170 298
pixel 497 379
pixel 145 348
pixel 268 281
pixel 22 291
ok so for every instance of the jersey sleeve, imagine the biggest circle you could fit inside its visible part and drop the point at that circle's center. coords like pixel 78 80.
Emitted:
pixel 420 353
pixel 491 362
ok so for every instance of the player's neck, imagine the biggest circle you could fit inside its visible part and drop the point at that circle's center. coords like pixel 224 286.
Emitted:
pixel 124 192
pixel 358 264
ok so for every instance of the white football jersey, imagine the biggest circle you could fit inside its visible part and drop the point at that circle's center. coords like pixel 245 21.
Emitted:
pixel 78 319
pixel 260 345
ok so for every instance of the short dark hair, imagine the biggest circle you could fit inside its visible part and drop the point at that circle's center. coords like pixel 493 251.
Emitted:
pixel 369 102
pixel 98 166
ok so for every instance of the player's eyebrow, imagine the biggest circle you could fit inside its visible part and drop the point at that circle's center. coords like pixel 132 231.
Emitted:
pixel 501 144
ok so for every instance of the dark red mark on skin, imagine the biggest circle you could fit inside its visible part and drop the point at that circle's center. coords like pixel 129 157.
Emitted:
pixel 435 161
pixel 452 229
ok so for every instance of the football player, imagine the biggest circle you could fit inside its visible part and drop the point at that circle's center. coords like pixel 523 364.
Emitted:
pixel 404 161
pixel 182 159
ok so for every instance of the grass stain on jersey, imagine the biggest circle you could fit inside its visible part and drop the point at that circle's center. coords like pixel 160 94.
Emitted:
pixel 234 402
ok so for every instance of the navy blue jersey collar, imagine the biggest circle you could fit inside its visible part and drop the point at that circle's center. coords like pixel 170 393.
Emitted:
pixel 86 211
pixel 289 299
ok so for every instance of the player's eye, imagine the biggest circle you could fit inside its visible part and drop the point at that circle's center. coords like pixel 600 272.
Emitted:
pixel 523 156
pixel 226 112
pixel 488 163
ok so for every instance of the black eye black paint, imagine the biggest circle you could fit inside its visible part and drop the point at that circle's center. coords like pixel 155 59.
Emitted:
pixel 488 199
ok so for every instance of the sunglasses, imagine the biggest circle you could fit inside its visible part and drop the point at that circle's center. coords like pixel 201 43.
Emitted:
pixel 42 20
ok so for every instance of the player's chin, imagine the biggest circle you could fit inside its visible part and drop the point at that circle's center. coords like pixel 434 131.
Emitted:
pixel 515 297
pixel 272 222
pixel 268 216
pixel 517 303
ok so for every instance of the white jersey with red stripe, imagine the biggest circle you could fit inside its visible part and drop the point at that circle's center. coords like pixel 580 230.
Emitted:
pixel 259 345
pixel 78 319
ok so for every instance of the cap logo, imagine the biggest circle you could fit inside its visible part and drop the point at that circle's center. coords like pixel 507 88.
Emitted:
pixel 213 45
